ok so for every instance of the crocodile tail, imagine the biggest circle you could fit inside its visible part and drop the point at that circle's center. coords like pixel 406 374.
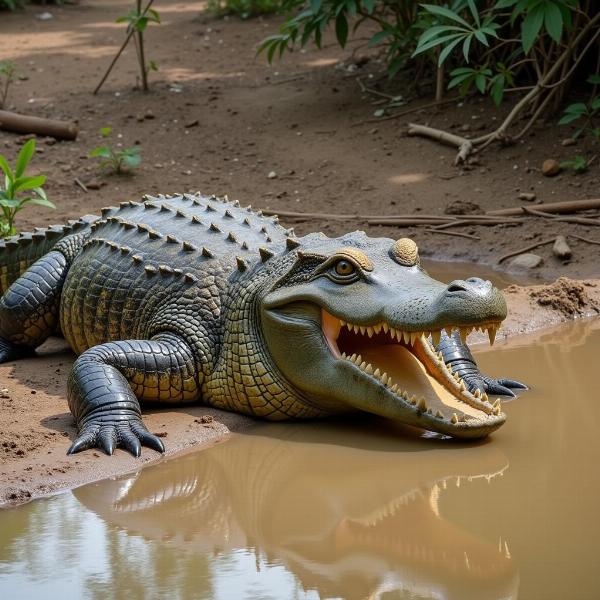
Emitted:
pixel 19 252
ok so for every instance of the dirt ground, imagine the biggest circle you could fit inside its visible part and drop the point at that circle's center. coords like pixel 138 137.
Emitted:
pixel 220 120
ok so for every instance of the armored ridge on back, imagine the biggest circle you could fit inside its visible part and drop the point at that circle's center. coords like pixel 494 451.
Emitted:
pixel 191 298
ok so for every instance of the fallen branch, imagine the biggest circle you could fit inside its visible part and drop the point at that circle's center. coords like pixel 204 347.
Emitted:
pixel 583 239
pixel 526 249
pixel 476 222
pixel 454 233
pixel 465 146
pixel 60 130
pixel 80 183
pixel 569 206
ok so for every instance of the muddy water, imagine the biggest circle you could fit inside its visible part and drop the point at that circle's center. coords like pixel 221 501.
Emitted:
pixel 356 508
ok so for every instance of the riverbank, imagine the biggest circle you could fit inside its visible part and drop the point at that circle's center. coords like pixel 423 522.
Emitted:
pixel 36 428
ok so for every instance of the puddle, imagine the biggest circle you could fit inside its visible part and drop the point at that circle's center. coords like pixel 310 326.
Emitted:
pixel 355 508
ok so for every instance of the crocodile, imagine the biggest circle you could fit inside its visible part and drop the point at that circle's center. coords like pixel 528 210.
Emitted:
pixel 186 298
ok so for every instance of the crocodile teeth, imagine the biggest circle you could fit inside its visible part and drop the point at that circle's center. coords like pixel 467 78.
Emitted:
pixel 491 334
pixel 464 332
pixel 454 419
pixel 436 336
pixel 422 405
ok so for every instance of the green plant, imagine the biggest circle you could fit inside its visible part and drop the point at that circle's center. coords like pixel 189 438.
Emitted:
pixel 19 189
pixel 7 76
pixel 118 161
pixel 587 111
pixel 578 165
pixel 245 9
pixel 138 20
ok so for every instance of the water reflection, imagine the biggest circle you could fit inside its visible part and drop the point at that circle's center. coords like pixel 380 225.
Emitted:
pixel 348 513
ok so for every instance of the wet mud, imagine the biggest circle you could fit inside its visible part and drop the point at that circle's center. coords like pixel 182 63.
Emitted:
pixel 348 508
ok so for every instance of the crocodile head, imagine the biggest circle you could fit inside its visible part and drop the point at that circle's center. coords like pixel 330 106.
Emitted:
pixel 351 325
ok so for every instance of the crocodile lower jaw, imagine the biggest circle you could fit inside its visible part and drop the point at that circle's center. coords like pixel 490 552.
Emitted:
pixel 406 365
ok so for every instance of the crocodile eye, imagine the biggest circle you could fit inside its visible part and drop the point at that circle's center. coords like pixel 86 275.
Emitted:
pixel 344 268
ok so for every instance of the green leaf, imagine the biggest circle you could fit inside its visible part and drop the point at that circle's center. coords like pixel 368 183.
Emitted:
pixel 379 37
pixel 593 79
pixel 505 4
pixel 595 103
pixel 437 42
pixel 369 6
pixel 447 50
pixel 10 202
pixel 105 131
pixel 553 21
pixel 432 32
pixel 41 202
pixel 569 118
pixel 153 15
pixel 480 83
pixel 102 152
pixel 131 160
pixel 341 29
pixel 440 11
pixel 6 168
pixel 577 107
pixel 531 27
pixel 29 183
pixel 474 12
pixel 466 47
pixel 24 157
pixel 141 24
pixel 497 89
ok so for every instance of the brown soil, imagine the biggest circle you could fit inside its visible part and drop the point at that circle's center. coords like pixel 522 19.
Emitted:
pixel 220 120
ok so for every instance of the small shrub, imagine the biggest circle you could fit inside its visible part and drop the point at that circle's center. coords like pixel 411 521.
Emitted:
pixel 245 9
pixel 19 189
pixel 578 165
pixel 7 76
pixel 118 161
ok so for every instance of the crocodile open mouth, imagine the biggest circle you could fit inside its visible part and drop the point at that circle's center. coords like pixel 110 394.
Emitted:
pixel 406 364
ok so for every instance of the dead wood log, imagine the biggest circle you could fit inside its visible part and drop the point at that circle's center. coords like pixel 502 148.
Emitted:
pixel 569 206
pixel 61 130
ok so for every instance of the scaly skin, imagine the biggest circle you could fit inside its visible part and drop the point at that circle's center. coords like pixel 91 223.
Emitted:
pixel 189 298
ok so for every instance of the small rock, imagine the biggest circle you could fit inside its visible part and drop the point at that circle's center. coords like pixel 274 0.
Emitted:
pixel 525 262
pixel 561 249
pixel 272 175
pixel 569 142
pixel 465 128
pixel 161 434
pixel 45 16
pixel 527 196
pixel 193 123
pixel 550 167
pixel 149 114
pixel 93 184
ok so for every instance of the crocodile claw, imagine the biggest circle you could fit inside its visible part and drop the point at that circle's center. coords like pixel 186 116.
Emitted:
pixel 129 435
pixel 489 385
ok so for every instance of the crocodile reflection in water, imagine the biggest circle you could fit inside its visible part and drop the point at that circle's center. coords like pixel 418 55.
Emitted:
pixel 350 515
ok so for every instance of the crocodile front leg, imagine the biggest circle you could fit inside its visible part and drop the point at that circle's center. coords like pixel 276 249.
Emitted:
pixel 29 308
pixel 457 355
pixel 107 382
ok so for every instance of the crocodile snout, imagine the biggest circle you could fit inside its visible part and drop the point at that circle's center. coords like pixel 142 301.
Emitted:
pixel 474 286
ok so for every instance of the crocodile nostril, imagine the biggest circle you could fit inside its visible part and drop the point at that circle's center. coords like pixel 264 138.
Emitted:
pixel 456 287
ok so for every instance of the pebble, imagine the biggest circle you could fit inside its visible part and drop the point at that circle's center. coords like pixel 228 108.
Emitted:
pixel 272 175
pixel 550 167
pixel 561 249
pixel 569 142
pixel 527 196
pixel 525 262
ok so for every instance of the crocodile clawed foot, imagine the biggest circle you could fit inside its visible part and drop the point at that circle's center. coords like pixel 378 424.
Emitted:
pixel 489 385
pixel 10 351
pixel 130 435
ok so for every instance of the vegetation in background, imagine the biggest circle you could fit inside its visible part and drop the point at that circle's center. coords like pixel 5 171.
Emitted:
pixel 118 161
pixel 19 189
pixel 7 76
pixel 578 165
pixel 244 9
pixel 10 4
pixel 137 21
pixel 525 52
